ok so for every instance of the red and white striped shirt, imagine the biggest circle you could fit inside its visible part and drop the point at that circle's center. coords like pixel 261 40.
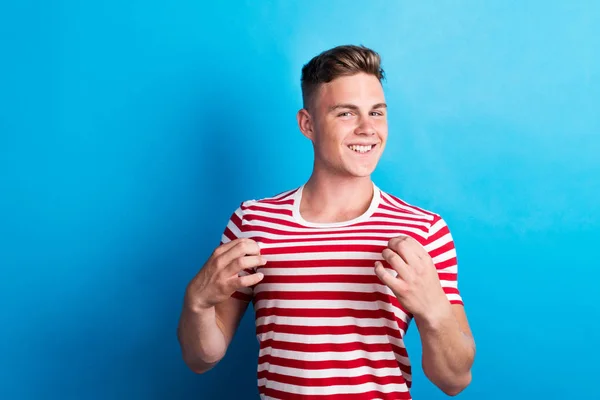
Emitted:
pixel 327 327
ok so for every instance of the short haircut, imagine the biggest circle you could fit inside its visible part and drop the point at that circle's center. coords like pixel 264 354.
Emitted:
pixel 337 62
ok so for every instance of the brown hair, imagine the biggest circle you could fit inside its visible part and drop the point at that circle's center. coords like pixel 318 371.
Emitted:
pixel 336 62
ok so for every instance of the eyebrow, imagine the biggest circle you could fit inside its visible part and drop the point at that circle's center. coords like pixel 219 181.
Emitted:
pixel 355 107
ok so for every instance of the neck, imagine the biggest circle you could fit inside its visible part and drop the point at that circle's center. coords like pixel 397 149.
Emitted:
pixel 335 198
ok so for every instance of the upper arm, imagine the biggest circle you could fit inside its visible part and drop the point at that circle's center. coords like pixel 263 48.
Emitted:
pixel 440 246
pixel 229 314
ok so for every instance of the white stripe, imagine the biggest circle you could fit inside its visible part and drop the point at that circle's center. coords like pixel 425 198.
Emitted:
pixel 312 271
pixel 234 229
pixel 407 207
pixel 335 235
pixel 404 216
pixel 371 221
pixel 451 269
pixel 332 305
pixel 327 355
pixel 322 287
pixel 453 296
pixel 336 230
pixel 331 339
pixel 327 321
pixel 444 256
pixel 330 372
pixel 449 284
pixel 439 243
pixel 333 389
pixel 440 224
pixel 283 245
pixel 334 255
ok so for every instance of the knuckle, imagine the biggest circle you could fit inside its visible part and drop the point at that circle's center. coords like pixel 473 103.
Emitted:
pixel 217 252
pixel 219 262
pixel 244 245
pixel 396 242
pixel 241 262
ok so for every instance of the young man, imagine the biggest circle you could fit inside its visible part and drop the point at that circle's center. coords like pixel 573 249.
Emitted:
pixel 336 268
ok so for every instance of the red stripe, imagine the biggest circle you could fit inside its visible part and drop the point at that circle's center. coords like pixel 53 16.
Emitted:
pixel 276 221
pixel 451 262
pixel 373 394
pixel 319 263
pixel 332 313
pixel 291 224
pixel 281 211
pixel 366 279
pixel 447 276
pixel 284 240
pixel 411 208
pixel 441 250
pixel 404 214
pixel 321 382
pixel 439 234
pixel 329 330
pixel 241 296
pixel 324 313
pixel 323 295
pixel 324 249
pixel 328 364
pixel 275 200
pixel 229 235
pixel 334 347
pixel 274 231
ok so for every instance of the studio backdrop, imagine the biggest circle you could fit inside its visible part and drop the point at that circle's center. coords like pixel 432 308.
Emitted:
pixel 131 130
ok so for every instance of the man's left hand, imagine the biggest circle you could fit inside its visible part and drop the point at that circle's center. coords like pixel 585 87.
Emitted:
pixel 417 285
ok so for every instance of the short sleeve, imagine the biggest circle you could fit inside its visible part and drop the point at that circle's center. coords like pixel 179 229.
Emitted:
pixel 440 246
pixel 234 230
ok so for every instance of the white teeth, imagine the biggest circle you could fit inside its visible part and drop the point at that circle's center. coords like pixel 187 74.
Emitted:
pixel 360 149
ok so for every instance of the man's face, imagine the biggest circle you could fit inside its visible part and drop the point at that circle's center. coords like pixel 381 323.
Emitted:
pixel 350 125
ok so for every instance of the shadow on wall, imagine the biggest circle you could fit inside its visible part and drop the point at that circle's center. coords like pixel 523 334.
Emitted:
pixel 221 177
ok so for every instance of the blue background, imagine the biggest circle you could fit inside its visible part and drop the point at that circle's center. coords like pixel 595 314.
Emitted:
pixel 130 130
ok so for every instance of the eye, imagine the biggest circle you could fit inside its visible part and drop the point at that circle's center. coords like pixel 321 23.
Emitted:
pixel 377 113
pixel 345 114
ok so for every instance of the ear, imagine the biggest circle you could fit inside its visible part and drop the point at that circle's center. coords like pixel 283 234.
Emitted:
pixel 305 123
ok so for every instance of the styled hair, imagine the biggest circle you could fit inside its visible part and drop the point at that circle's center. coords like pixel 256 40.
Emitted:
pixel 337 62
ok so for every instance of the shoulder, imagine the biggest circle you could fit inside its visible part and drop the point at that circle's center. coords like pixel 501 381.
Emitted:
pixel 397 204
pixel 401 208
pixel 250 210
pixel 280 203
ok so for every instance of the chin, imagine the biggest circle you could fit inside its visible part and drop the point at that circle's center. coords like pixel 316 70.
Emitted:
pixel 361 172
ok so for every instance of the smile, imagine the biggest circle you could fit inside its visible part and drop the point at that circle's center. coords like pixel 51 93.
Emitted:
pixel 362 149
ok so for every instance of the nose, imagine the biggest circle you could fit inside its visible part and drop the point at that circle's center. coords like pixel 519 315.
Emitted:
pixel 365 127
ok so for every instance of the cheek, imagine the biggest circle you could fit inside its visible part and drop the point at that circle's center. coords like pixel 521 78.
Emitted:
pixel 334 133
pixel 382 127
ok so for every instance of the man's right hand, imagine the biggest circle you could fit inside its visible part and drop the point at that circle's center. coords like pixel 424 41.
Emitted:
pixel 218 279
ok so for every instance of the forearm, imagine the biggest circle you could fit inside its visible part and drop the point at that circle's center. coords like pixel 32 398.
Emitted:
pixel 203 343
pixel 448 352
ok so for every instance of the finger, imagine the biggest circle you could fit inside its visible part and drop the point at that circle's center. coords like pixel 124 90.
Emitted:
pixel 242 248
pixel 397 263
pixel 244 262
pixel 226 247
pixel 407 248
pixel 386 277
pixel 247 280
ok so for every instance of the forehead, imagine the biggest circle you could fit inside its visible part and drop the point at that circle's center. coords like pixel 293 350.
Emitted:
pixel 359 89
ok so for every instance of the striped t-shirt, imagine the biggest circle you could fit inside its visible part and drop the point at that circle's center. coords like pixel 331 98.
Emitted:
pixel 326 325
